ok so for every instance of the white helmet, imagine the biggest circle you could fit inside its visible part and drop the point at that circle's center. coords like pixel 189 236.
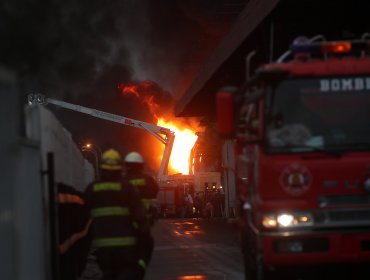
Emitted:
pixel 134 157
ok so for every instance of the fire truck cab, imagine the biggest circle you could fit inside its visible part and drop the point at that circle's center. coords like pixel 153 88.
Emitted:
pixel 302 133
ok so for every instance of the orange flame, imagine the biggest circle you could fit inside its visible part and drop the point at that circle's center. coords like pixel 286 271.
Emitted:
pixel 143 91
pixel 185 136
pixel 184 141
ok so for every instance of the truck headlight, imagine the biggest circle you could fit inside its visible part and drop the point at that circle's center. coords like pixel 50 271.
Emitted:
pixel 287 220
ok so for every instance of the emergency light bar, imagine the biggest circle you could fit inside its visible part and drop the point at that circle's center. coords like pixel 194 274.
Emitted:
pixel 335 47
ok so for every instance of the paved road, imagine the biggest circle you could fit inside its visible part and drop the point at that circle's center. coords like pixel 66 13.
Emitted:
pixel 187 249
pixel 209 249
pixel 195 249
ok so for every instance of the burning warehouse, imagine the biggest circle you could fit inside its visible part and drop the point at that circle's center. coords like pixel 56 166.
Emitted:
pixel 185 129
pixel 194 165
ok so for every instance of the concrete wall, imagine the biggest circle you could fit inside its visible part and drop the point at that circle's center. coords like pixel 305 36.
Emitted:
pixel 22 235
pixel 71 167
pixel 26 137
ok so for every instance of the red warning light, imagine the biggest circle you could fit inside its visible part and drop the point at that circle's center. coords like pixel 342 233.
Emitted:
pixel 336 47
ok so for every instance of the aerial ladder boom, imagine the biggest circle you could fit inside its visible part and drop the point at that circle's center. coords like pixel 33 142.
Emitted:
pixel 163 134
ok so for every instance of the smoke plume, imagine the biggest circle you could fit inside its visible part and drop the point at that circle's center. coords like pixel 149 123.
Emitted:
pixel 82 51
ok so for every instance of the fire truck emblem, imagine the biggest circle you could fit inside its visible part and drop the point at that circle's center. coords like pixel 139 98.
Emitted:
pixel 296 179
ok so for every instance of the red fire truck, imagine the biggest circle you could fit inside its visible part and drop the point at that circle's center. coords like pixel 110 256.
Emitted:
pixel 302 128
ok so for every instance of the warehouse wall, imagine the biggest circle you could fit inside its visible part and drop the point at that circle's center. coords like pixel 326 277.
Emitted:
pixel 71 167
pixel 26 137
pixel 22 235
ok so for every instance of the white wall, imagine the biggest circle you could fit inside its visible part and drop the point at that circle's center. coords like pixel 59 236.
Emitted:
pixel 24 243
pixel 70 166
pixel 22 224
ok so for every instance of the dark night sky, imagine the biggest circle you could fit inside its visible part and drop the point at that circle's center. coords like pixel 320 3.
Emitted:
pixel 80 51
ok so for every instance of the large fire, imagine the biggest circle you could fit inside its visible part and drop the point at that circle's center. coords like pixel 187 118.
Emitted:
pixel 184 141
pixel 185 136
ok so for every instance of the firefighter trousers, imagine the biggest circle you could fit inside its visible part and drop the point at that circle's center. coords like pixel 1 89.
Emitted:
pixel 146 246
pixel 119 263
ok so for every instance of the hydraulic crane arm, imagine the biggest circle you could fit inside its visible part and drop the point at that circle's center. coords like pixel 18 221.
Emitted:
pixel 163 134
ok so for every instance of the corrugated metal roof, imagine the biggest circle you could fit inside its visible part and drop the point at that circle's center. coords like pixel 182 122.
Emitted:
pixel 252 15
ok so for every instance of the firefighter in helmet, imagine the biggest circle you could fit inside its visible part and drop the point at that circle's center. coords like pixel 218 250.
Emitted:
pixel 118 218
pixel 148 189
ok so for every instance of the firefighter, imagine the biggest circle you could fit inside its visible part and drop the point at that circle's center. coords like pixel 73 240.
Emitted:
pixel 74 235
pixel 148 189
pixel 118 219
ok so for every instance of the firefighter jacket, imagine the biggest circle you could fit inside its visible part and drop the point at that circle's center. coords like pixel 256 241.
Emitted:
pixel 148 189
pixel 74 231
pixel 117 212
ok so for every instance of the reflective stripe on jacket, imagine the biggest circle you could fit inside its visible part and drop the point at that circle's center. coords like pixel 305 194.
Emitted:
pixel 114 241
pixel 110 211
pixel 147 203
pixel 148 189
pixel 110 207
pixel 107 186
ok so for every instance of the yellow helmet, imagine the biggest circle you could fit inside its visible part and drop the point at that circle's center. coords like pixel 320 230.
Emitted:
pixel 111 160
pixel 134 157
